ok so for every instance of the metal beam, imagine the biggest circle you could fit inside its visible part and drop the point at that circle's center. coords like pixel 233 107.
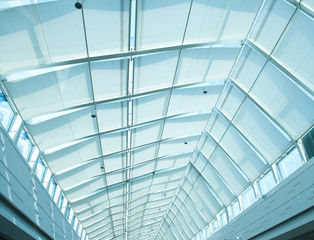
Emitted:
pixel 123 129
pixel 121 183
pixel 67 171
pixel 132 96
pixel 133 54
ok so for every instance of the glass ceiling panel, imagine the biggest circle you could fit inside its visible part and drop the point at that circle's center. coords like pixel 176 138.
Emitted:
pixel 79 174
pixel 238 149
pixel 232 99
pixel 156 26
pixel 215 181
pixel 222 20
pixel 183 126
pixel 109 78
pixel 150 107
pixel 249 65
pixel 63 30
pixel 266 33
pixel 144 154
pixel 205 64
pixel 217 127
pixel 142 169
pixel 146 134
pixel 114 162
pixel 295 49
pixel 260 131
pixel 56 90
pixel 228 171
pixel 185 100
pixel 73 155
pixel 207 146
pixel 284 100
pixel 176 146
pixel 93 200
pixel 85 189
pixel 173 161
pixel 64 129
pixel 107 26
pixel 111 115
pixel 114 177
pixel 154 71
pixel 113 142
pixel 22 39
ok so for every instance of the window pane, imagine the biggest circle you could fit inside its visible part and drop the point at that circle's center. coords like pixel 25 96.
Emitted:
pixel 70 217
pixel 308 143
pixel 75 223
pixel 40 170
pixel 6 113
pixel 52 187
pixel 290 163
pixel 57 194
pixel 248 198
pixel 64 205
pixel 235 209
pixel 24 144
pixel 47 178
pixel 223 219
pixel 215 225
pixel 267 183
pixel 33 158
pixel 16 125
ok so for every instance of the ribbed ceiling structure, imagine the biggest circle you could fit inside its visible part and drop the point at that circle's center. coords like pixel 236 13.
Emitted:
pixel 154 115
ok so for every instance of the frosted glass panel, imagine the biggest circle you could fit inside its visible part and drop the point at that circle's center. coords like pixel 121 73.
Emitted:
pixel 85 189
pixel 265 32
pixel 64 129
pixel 184 126
pixel 295 49
pixel 186 100
pixel 109 78
pixel 231 101
pixel 217 127
pixel 144 154
pixel 79 174
pixel 242 154
pixel 154 71
pixel 114 162
pixel 63 29
pixel 107 26
pixel 207 146
pixel 228 171
pixel 173 161
pixel 22 39
pixel 111 115
pixel 248 67
pixel 150 107
pixel 113 142
pixel 73 155
pixel 217 184
pixel 205 64
pixel 284 100
pixel 156 25
pixel 52 91
pixel 146 134
pixel 178 146
pixel 220 20
pixel 260 131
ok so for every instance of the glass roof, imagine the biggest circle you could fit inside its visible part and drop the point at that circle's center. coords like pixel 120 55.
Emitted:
pixel 153 116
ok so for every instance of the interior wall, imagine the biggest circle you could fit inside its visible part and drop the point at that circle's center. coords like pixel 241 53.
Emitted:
pixel 287 206
pixel 23 200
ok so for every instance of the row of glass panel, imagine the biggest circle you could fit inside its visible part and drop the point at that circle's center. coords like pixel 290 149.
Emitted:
pixel 13 124
pixel 278 172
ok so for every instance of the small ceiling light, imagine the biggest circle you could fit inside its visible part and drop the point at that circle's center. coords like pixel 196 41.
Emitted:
pixel 93 115
pixel 205 91
pixel 78 5
pixel 185 142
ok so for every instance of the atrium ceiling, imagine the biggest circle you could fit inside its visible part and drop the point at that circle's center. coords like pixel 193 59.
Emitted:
pixel 154 115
